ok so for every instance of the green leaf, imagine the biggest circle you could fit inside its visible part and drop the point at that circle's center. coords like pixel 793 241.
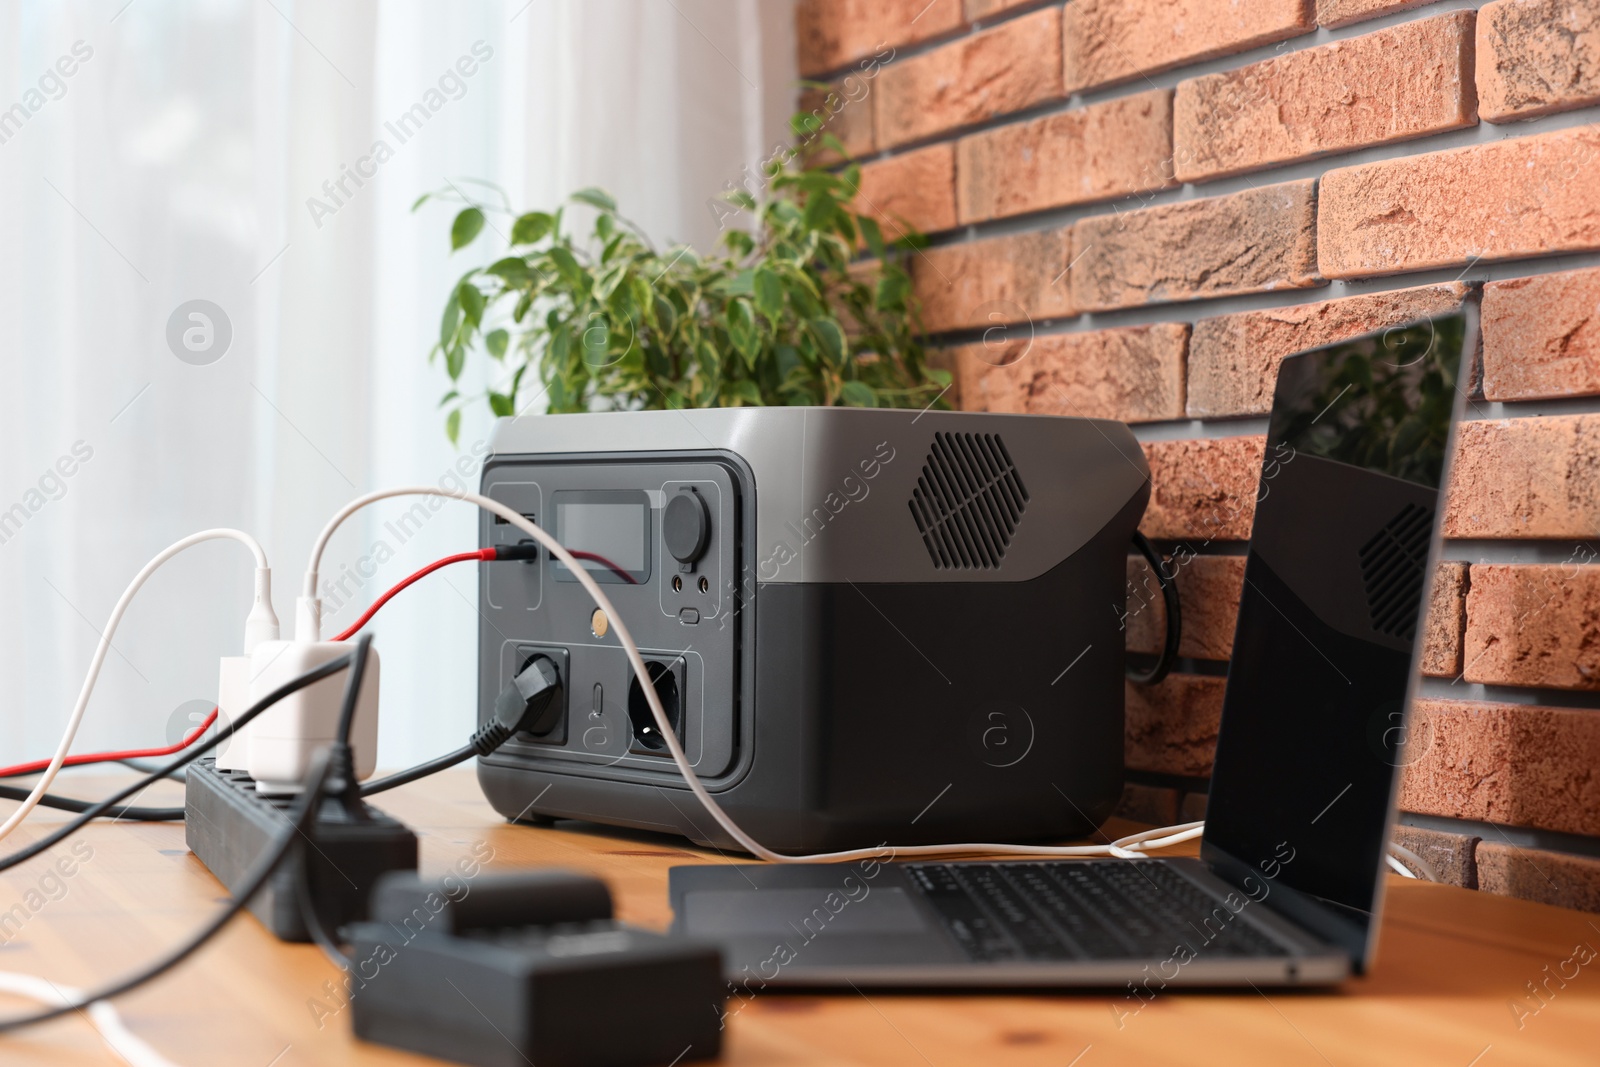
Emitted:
pixel 831 338
pixel 450 320
pixel 471 298
pixel 893 289
pixel 570 268
pixel 513 270
pixel 743 392
pixel 451 395
pixel 531 227
pixel 468 224
pixel 595 198
pixel 495 341
pixel 455 358
pixel 873 234
pixel 452 425
pixel 858 395
pixel 419 201
pixel 769 294
pixel 500 404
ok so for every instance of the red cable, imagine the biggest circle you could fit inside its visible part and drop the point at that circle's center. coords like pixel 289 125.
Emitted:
pixel 486 554
pixel 195 734
pixel 111 757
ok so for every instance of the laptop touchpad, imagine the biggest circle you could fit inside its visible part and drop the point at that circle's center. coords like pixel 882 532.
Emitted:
pixel 808 912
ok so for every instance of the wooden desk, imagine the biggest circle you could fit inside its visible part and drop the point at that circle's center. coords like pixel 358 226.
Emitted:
pixel 1453 962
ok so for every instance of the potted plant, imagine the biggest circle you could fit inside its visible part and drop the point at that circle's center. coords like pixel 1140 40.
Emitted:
pixel 786 312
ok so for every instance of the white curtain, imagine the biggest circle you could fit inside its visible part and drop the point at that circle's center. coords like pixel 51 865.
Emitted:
pixel 229 151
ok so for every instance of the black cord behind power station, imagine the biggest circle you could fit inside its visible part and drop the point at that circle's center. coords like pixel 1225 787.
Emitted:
pixel 1169 596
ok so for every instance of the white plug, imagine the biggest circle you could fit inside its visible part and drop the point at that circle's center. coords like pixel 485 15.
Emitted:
pixel 283 738
pixel 261 624
pixel 233 682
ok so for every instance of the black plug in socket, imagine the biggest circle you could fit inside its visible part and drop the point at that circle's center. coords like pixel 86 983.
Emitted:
pixel 228 825
pixel 528 967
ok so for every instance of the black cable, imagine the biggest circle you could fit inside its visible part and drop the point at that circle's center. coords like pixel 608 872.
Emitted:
pixel 149 768
pixel 52 800
pixel 303 814
pixel 352 689
pixel 313 921
pixel 421 770
pixel 1169 595
pixel 522 705
pixel 188 756
pixel 341 790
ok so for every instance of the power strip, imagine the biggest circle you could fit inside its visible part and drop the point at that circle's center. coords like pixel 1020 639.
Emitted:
pixel 228 825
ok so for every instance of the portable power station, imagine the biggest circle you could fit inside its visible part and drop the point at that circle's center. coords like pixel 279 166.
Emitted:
pixel 866 625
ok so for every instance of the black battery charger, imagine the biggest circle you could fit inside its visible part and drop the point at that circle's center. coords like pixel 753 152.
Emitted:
pixel 529 967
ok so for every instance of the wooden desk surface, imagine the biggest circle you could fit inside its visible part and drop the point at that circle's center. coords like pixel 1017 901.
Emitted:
pixel 1452 964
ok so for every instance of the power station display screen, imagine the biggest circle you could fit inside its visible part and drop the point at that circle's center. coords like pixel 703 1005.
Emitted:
pixel 1315 731
pixel 609 532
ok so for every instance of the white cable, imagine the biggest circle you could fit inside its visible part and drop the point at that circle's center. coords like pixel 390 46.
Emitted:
pixel 102 1015
pixel 1424 869
pixel 308 628
pixel 260 625
pixel 1398 867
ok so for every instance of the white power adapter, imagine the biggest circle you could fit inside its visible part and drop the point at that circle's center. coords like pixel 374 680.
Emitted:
pixel 277 747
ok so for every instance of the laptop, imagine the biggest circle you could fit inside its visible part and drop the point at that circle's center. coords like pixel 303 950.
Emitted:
pixel 1288 886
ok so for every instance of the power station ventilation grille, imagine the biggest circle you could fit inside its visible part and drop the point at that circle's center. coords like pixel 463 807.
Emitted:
pixel 968 501
pixel 1393 567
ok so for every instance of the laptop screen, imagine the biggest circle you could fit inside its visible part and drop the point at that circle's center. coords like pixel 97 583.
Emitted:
pixel 1339 564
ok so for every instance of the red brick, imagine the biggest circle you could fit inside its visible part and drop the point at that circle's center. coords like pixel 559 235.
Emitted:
pixel 843 110
pixel 1452 856
pixel 1094 153
pixel 1525 478
pixel 1233 359
pixel 1133 374
pixel 1407 81
pixel 1530 196
pixel 1514 764
pixel 1537 56
pixel 1541 336
pixel 1535 625
pixel 1560 878
pixel 915 188
pixel 1014 279
pixel 1108 41
pixel 1203 490
pixel 1336 13
pixel 1209 588
pixel 1446 623
pixel 1172 726
pixel 1014 65
pixel 1249 242
pixel 1148 804
pixel 834 33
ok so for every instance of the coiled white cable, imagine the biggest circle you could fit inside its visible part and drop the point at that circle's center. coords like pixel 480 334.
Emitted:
pixel 261 625
pixel 308 627
pixel 122 1041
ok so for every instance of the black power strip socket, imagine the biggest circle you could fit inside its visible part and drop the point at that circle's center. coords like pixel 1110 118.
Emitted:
pixel 228 825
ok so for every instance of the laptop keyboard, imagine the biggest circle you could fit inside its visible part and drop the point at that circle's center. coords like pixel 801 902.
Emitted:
pixel 1121 909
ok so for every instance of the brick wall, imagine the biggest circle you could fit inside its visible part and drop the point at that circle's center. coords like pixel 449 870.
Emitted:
pixel 1159 199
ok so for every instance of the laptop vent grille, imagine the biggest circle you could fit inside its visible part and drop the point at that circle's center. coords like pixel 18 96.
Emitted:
pixel 1393 567
pixel 968 501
